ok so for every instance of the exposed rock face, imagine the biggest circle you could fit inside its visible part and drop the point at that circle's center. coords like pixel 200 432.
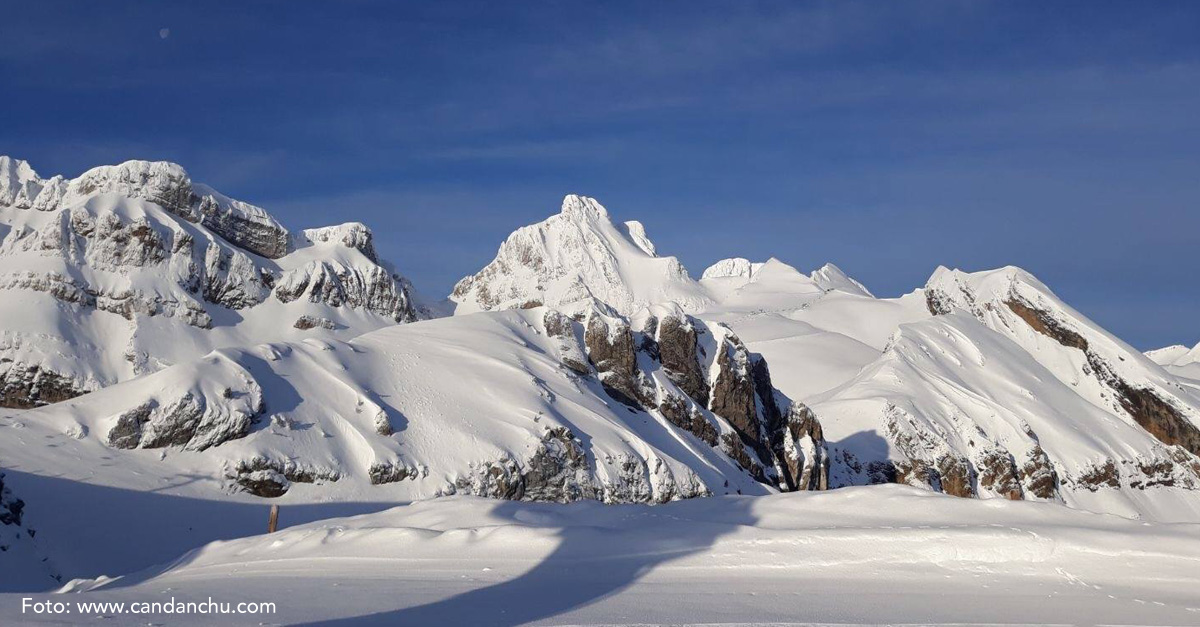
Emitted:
pixel 24 386
pixel 388 472
pixel 1160 418
pixel 677 350
pixel 733 391
pixel 687 417
pixel 611 350
pixel 735 448
pixel 557 471
pixel 11 507
pixel 954 476
pixel 998 473
pixel 570 353
pixel 188 422
pixel 271 478
pixel 805 461
pixel 371 288
pixel 1038 476
pixel 306 322
pixel 785 451
pixel 17 545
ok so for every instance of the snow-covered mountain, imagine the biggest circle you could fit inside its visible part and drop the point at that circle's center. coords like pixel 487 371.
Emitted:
pixel 528 404
pixel 574 258
pixel 130 268
pixel 728 277
pixel 593 368
pixel 981 384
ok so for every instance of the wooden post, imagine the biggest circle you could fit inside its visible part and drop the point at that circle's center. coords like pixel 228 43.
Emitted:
pixel 273 520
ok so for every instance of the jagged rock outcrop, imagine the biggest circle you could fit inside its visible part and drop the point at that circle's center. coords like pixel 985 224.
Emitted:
pixel 11 507
pixel 677 348
pixel 190 421
pixel 570 351
pixel 271 478
pixel 371 288
pixel 512 420
pixel 306 322
pixel 688 417
pixel 804 457
pixel 612 352
pixel 1162 419
pixel 733 391
pixel 23 385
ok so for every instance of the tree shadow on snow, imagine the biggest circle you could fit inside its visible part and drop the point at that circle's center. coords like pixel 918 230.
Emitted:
pixel 619 545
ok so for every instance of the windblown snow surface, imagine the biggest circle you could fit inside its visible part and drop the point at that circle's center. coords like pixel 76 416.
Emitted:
pixel 882 555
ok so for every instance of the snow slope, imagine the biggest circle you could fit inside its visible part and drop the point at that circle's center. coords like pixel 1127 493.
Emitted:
pixel 884 555
pixel 1009 392
pixel 815 335
pixel 523 404
pixel 1181 361
pixel 576 257
pixel 130 268
pixel 982 384
pixel 457 404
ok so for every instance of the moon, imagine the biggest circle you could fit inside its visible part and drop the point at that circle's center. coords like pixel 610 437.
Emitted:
pixel 163 33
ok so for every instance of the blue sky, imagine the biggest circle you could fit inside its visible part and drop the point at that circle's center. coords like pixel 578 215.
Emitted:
pixel 886 137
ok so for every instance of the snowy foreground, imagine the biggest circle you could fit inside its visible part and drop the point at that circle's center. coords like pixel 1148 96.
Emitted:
pixel 883 554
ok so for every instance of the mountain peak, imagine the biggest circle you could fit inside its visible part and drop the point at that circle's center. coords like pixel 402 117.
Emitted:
pixel 831 277
pixel 579 207
pixel 575 256
pixel 739 267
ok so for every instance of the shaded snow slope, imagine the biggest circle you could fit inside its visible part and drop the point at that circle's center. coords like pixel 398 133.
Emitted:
pixel 128 269
pixel 885 555
pixel 576 257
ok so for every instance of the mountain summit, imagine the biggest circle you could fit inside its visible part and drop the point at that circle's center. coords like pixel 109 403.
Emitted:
pixel 576 257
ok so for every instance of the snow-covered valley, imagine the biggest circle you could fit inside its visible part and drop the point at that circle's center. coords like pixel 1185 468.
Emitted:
pixel 581 433
pixel 880 555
